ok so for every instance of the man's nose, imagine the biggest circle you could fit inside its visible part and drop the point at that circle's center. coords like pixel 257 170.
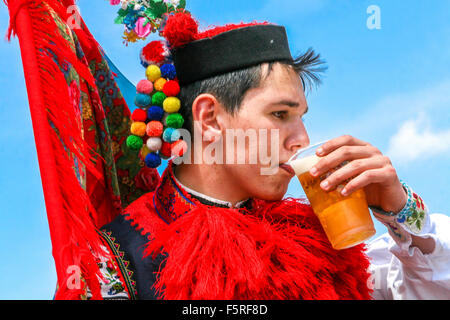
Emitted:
pixel 298 139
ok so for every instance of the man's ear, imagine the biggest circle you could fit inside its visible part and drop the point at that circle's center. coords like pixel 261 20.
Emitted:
pixel 205 111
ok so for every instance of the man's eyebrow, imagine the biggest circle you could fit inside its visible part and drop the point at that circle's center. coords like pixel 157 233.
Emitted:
pixel 292 104
pixel 289 103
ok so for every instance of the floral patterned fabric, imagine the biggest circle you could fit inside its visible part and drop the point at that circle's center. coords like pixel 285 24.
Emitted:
pixel 105 119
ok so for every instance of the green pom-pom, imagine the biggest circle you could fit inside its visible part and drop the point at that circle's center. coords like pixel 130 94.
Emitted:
pixel 158 99
pixel 174 120
pixel 134 143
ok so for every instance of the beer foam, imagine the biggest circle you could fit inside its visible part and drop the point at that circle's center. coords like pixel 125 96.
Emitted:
pixel 301 166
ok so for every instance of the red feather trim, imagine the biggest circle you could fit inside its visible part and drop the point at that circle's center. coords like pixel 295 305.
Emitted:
pixel 278 251
pixel 59 141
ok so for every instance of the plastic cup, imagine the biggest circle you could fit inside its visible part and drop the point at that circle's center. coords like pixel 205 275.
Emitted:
pixel 346 220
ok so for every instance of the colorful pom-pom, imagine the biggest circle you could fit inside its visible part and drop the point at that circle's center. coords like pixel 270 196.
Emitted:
pixel 142 100
pixel 134 143
pixel 166 150
pixel 155 113
pixel 139 115
pixel 171 88
pixel 180 29
pixel 138 129
pixel 154 144
pixel 153 73
pixel 145 87
pixel 159 84
pixel 153 160
pixel 172 105
pixel 154 129
pixel 179 148
pixel 158 99
pixel 171 135
pixel 168 71
pixel 174 120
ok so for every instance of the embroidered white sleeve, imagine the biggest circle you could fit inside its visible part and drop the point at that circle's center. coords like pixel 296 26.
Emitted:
pixel 401 272
pixel 412 219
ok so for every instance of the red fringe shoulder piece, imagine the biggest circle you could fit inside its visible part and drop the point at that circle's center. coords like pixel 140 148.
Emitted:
pixel 276 251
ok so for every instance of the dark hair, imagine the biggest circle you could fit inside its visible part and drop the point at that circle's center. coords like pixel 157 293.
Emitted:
pixel 230 88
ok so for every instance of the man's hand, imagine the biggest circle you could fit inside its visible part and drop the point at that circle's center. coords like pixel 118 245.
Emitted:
pixel 367 168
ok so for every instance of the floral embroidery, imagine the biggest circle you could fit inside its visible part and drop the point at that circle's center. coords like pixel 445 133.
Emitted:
pixel 411 219
pixel 112 287
pixel 414 213
pixel 122 264
pixel 111 284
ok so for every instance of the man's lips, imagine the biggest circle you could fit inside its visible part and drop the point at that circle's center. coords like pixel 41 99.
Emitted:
pixel 287 168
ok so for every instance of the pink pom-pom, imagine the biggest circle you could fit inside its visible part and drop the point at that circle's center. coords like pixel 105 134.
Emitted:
pixel 145 86
pixel 155 129
pixel 180 29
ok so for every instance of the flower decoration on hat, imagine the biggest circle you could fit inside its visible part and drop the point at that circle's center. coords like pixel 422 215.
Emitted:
pixel 141 18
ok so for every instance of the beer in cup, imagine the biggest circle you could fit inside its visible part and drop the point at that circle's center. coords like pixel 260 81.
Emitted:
pixel 346 220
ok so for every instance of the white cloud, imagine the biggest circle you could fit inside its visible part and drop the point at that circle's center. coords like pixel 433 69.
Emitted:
pixel 387 112
pixel 416 139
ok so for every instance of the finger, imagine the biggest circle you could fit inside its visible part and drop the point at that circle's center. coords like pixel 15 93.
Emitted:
pixel 363 180
pixel 345 153
pixel 333 144
pixel 352 169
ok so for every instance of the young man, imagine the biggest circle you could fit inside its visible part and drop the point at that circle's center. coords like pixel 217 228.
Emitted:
pixel 221 230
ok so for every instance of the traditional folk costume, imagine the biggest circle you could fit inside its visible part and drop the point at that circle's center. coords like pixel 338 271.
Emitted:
pixel 134 235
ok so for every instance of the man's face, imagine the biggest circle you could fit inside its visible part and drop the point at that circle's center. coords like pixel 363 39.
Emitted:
pixel 278 106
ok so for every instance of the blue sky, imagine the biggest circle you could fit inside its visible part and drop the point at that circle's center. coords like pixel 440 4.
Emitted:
pixel 389 87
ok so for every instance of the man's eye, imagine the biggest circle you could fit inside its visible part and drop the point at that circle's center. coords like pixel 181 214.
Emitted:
pixel 279 114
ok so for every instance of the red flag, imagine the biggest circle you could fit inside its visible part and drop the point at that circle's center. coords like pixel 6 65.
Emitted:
pixel 80 122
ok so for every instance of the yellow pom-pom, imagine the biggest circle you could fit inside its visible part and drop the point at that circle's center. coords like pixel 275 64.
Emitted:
pixel 153 73
pixel 159 84
pixel 172 105
pixel 144 151
pixel 139 129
